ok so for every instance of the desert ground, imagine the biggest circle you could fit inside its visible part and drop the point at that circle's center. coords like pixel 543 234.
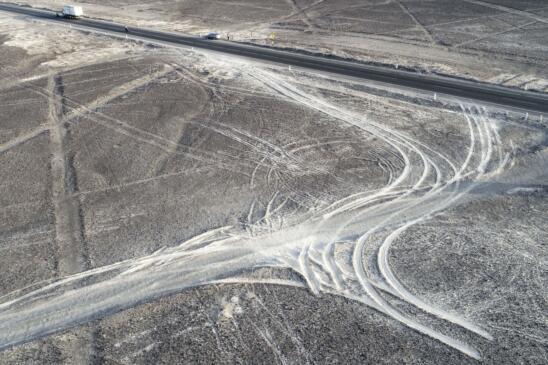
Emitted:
pixel 498 41
pixel 166 205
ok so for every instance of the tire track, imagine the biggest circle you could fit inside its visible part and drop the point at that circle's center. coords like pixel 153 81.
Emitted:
pixel 508 10
pixel 365 225
pixel 4 147
pixel 424 30
pixel 76 111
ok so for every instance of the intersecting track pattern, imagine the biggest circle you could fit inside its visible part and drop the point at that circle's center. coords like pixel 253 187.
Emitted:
pixel 308 241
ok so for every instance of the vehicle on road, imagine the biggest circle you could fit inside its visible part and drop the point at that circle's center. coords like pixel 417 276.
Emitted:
pixel 213 35
pixel 72 12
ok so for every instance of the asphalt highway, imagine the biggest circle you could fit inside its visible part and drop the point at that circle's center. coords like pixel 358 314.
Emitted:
pixel 482 92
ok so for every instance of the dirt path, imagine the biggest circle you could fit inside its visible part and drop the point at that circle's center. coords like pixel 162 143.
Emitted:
pixel 71 250
pixel 509 10
pixel 420 26
pixel 22 139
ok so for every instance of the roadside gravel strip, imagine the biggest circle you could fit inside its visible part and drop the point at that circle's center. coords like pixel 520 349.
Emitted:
pixel 494 94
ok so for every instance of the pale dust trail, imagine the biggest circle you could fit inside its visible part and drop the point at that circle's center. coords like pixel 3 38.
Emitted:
pixel 508 10
pixel 358 261
pixel 4 147
pixel 486 154
pixel 491 35
pixel 383 250
pixel 423 29
pixel 307 246
pixel 78 110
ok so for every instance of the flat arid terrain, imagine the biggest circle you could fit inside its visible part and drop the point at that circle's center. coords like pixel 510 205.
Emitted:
pixel 499 41
pixel 165 205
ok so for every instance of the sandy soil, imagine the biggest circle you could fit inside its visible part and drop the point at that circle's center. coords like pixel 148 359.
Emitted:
pixel 161 205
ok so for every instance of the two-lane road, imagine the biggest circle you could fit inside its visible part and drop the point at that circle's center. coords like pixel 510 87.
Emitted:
pixel 503 96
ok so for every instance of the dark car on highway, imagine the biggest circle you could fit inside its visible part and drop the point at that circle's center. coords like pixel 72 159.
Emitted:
pixel 213 35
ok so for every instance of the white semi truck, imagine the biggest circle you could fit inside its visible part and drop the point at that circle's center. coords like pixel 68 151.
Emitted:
pixel 72 12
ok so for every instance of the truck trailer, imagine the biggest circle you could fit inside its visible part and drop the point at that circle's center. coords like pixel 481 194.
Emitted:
pixel 72 12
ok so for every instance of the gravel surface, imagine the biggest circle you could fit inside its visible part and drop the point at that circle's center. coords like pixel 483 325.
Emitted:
pixel 161 205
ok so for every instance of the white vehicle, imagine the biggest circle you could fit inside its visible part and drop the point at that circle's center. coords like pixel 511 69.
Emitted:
pixel 72 11
pixel 213 35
